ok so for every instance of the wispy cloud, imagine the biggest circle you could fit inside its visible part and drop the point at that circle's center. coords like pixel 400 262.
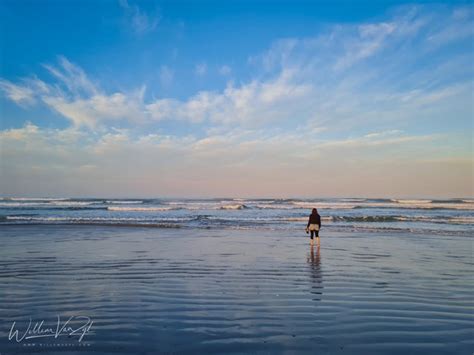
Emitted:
pixel 166 75
pixel 368 40
pixel 252 162
pixel 200 69
pixel 353 75
pixel 140 21
pixel 225 70
pixel 72 77
pixel 20 94
pixel 76 97
pixel 342 106
pixel 255 103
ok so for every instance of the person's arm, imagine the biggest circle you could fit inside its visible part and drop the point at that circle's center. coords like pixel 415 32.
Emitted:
pixel 319 222
pixel 309 221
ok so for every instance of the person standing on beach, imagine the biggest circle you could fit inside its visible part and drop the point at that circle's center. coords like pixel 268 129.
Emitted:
pixel 314 225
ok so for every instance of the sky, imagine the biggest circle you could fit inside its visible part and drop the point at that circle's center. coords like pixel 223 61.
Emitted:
pixel 236 98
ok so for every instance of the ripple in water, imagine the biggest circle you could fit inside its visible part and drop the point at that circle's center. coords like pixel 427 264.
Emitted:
pixel 240 291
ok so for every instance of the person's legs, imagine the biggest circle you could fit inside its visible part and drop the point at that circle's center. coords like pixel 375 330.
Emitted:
pixel 311 241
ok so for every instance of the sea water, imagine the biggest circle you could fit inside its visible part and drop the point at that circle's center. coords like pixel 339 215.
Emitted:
pixel 453 216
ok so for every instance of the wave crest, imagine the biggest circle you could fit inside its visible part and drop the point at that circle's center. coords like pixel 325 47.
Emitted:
pixel 141 209
pixel 233 207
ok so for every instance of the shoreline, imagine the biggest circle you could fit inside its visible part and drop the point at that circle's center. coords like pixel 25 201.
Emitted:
pixel 329 231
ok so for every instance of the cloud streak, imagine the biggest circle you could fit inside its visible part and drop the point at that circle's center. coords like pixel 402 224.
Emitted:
pixel 347 72
pixel 19 94
pixel 252 162
pixel 200 69
pixel 140 21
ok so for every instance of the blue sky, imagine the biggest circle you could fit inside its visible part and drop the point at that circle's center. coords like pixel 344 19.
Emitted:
pixel 236 98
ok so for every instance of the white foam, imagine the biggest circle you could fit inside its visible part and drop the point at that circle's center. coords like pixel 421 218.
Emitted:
pixel 141 209
pixel 462 220
pixel 71 219
pixel 232 207
pixel 59 218
pixel 72 203
pixel 413 201
pixel 435 205
pixel 34 199
pixel 23 204
pixel 296 219
pixel 275 207
pixel 48 204
pixel 252 201
pixel 325 205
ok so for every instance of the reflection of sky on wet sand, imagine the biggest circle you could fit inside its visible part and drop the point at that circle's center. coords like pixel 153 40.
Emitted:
pixel 148 289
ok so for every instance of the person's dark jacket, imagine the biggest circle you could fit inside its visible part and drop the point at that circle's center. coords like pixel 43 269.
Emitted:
pixel 314 219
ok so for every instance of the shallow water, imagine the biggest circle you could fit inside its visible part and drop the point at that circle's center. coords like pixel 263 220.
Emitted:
pixel 160 290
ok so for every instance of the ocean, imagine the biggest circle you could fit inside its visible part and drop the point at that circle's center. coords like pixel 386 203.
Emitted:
pixel 433 216
pixel 235 275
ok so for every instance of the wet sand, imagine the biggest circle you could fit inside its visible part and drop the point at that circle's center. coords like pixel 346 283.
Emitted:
pixel 151 291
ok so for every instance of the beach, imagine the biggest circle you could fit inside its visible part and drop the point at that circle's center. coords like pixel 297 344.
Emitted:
pixel 165 164
pixel 148 290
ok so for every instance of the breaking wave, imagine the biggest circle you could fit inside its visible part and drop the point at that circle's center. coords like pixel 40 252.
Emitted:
pixel 412 201
pixel 447 216
pixel 233 207
pixel 142 209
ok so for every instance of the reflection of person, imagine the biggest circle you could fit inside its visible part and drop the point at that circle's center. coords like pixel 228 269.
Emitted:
pixel 314 261
pixel 314 225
